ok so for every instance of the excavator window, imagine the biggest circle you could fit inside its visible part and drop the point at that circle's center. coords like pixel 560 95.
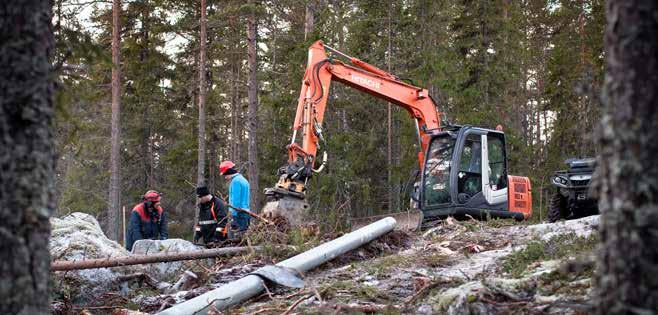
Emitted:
pixel 437 171
pixel 497 169
pixel 470 168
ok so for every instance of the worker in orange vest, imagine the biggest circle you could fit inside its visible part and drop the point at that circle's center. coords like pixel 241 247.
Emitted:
pixel 148 220
pixel 212 225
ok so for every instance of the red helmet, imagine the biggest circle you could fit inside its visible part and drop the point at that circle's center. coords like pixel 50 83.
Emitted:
pixel 152 195
pixel 225 166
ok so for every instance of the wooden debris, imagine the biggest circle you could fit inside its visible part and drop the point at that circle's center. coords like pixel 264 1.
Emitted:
pixel 294 305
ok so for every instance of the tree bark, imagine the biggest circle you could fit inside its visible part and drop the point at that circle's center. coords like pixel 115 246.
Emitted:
pixel 115 153
pixel 628 172
pixel 394 189
pixel 201 162
pixel 27 154
pixel 254 203
pixel 147 160
pixel 235 112
pixel 212 169
pixel 309 19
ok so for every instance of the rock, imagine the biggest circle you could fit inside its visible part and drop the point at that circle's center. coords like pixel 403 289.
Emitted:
pixel 78 236
pixel 169 270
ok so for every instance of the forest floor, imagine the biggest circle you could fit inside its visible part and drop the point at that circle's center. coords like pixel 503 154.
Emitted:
pixel 455 267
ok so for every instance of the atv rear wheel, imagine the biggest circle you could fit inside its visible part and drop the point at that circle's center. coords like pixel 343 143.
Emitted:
pixel 557 207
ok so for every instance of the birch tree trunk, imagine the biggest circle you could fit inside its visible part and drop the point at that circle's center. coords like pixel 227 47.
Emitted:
pixel 115 153
pixel 252 112
pixel 628 170
pixel 27 155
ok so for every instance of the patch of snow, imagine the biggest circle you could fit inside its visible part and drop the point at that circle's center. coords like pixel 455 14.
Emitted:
pixel 370 281
pixel 582 227
pixel 473 265
pixel 545 267
pixel 424 309
pixel 455 300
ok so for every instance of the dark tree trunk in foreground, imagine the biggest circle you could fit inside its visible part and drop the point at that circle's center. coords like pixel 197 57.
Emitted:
pixel 628 260
pixel 27 156
pixel 115 153
pixel 253 112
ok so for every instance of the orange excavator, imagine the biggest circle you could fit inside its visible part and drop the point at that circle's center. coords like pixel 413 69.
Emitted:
pixel 463 168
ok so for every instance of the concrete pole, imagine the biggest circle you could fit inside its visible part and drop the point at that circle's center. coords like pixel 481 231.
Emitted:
pixel 247 287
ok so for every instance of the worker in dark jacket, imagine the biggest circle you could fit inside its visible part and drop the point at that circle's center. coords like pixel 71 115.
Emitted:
pixel 147 220
pixel 212 218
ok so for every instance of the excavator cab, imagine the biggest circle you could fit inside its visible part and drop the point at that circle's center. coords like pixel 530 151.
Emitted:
pixel 465 173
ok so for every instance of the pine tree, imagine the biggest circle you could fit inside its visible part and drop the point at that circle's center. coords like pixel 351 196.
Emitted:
pixel 253 110
pixel 115 158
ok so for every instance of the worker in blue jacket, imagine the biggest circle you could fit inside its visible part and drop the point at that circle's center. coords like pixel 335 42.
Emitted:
pixel 238 194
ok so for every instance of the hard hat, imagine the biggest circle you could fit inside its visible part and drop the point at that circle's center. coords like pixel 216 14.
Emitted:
pixel 225 166
pixel 152 195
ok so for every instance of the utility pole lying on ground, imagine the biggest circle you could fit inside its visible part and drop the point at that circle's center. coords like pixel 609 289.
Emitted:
pixel 284 273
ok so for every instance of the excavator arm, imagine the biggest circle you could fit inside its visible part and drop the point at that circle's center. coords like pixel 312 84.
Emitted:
pixel 320 72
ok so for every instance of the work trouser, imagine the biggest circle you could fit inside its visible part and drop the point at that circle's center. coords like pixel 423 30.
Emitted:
pixel 209 232
pixel 241 221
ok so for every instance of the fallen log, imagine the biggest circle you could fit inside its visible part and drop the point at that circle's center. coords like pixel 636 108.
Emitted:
pixel 62 265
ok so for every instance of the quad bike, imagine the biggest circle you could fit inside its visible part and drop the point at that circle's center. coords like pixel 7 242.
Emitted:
pixel 572 197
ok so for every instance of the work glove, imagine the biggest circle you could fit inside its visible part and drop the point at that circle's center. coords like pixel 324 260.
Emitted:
pixel 197 234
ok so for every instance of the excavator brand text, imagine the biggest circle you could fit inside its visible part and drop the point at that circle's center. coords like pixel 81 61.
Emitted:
pixel 365 81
